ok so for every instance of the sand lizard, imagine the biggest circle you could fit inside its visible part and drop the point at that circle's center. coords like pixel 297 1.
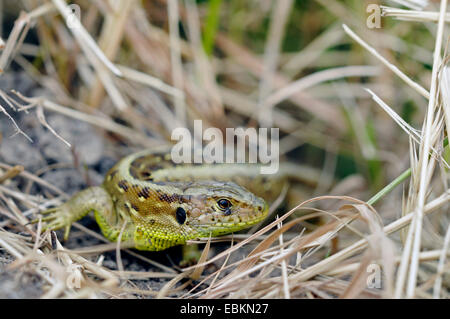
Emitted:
pixel 163 204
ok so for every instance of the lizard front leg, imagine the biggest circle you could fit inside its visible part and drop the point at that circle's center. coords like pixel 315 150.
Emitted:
pixel 91 199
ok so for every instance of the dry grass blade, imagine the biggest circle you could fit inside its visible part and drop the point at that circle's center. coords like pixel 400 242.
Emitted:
pixel 278 20
pixel 411 15
pixel 86 42
pixel 380 248
pixel 15 39
pixel 416 86
pixel 3 110
pixel 175 58
pixel 319 77
pixel 41 117
pixel 414 134
pixel 109 43
pixel 11 173
pixel 147 79
pixel 427 144
pixel 198 270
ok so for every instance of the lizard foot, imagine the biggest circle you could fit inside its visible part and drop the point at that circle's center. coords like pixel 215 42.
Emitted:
pixel 57 218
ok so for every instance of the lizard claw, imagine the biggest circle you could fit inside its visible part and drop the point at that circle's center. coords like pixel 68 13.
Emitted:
pixel 56 218
pixel 66 232
pixel 50 210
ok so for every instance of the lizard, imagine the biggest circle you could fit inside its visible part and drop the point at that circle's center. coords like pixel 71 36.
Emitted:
pixel 150 201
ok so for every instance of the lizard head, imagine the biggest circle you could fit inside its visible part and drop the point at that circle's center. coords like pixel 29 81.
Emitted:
pixel 194 210
pixel 219 208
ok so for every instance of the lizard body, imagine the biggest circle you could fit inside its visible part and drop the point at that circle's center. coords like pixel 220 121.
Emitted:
pixel 157 204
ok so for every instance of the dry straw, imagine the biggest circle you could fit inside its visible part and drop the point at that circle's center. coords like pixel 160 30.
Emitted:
pixel 136 66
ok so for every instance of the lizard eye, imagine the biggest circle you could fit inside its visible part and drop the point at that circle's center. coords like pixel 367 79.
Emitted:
pixel 180 215
pixel 223 203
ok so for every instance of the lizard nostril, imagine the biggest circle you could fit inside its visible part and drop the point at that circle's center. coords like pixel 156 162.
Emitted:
pixel 263 207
